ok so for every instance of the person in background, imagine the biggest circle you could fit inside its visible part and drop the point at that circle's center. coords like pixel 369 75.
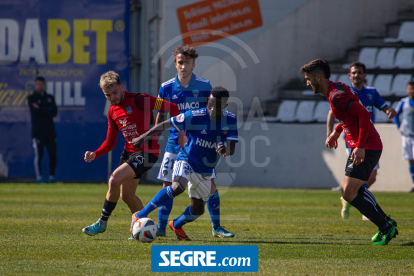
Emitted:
pixel 42 110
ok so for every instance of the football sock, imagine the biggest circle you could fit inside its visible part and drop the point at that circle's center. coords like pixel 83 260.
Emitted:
pixel 159 199
pixel 185 217
pixel 380 211
pixel 163 214
pixel 108 207
pixel 213 206
pixel 412 172
pixel 366 203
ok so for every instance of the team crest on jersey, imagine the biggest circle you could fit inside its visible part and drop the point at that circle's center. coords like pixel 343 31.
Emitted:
pixel 195 93
pixel 123 122
pixel 165 172
pixel 114 116
pixel 369 96
pixel 129 110
pixel 180 118
pixel 225 130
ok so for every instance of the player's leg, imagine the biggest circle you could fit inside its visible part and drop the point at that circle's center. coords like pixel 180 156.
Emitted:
pixel 213 206
pixel 165 194
pixel 345 204
pixel 128 190
pixel 119 176
pixel 408 154
pixel 52 150
pixel 199 189
pixel 165 174
pixel 38 154
pixel 372 178
pixel 362 199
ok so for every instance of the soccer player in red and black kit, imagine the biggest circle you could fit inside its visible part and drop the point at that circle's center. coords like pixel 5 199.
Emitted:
pixel 362 138
pixel 132 114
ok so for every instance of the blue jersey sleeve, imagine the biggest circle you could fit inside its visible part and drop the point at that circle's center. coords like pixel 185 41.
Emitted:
pixel 379 101
pixel 399 110
pixel 233 133
pixel 181 121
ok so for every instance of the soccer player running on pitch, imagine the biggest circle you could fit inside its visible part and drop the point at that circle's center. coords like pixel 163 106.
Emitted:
pixel 369 98
pixel 363 139
pixel 211 132
pixel 188 91
pixel 132 114
pixel 405 108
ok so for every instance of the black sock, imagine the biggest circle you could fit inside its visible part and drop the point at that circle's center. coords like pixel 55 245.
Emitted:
pixel 108 207
pixel 366 204
pixel 380 211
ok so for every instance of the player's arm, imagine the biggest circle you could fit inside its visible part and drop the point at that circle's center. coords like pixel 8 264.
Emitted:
pixel 160 118
pixel 226 150
pixel 156 130
pixel 398 113
pixel 330 141
pixel 107 145
pixel 364 120
pixel 382 105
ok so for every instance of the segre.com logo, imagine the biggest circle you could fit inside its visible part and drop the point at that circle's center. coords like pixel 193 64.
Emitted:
pixel 205 258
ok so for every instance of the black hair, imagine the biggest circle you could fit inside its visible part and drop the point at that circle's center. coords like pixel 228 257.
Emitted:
pixel 358 64
pixel 317 66
pixel 220 92
pixel 40 79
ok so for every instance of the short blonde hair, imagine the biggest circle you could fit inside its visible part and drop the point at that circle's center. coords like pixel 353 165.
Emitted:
pixel 109 79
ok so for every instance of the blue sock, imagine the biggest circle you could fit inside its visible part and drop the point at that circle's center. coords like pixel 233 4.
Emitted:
pixel 159 199
pixel 163 214
pixel 185 217
pixel 213 206
pixel 365 185
pixel 412 172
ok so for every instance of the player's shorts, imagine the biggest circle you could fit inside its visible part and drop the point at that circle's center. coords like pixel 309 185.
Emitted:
pixel 139 161
pixel 198 186
pixel 363 170
pixel 348 153
pixel 408 147
pixel 167 166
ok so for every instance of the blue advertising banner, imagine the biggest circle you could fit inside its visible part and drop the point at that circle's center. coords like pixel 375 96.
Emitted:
pixel 204 258
pixel 70 44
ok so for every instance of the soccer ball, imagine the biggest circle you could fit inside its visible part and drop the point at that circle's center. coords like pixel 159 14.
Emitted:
pixel 145 230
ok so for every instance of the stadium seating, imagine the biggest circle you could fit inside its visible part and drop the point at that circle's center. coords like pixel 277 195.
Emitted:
pixel 399 84
pixel 404 58
pixel 405 34
pixel 308 92
pixel 383 84
pixel 344 79
pixel 370 79
pixel 286 111
pixel 385 58
pixel 321 111
pixel 380 116
pixel 368 56
pixel 334 77
pixel 304 112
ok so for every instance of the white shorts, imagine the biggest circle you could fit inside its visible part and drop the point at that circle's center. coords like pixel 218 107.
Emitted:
pixel 348 152
pixel 408 147
pixel 198 186
pixel 167 166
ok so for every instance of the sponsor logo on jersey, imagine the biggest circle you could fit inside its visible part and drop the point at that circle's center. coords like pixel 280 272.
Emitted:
pixel 188 106
pixel 123 122
pixel 180 118
pixel 130 134
pixel 195 93
pixel 206 144
pixel 129 110
pixel 225 130
pixel 128 127
pixel 165 172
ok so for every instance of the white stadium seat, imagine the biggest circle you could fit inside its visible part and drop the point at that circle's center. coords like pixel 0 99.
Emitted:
pixel 400 83
pixel 321 111
pixel 304 112
pixel 383 84
pixel 405 34
pixel 380 116
pixel 368 56
pixel 286 111
pixel 404 58
pixel 344 79
pixel 370 79
pixel 385 58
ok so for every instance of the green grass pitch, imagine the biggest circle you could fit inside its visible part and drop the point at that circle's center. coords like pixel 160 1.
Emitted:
pixel 299 232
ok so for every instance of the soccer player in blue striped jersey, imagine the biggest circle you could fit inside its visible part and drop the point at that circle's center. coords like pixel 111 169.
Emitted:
pixel 189 92
pixel 405 126
pixel 212 132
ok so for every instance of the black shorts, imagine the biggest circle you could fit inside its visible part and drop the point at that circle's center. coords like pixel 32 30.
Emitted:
pixel 363 170
pixel 139 161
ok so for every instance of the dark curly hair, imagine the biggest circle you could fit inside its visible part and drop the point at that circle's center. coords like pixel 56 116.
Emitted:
pixel 319 65
pixel 186 51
